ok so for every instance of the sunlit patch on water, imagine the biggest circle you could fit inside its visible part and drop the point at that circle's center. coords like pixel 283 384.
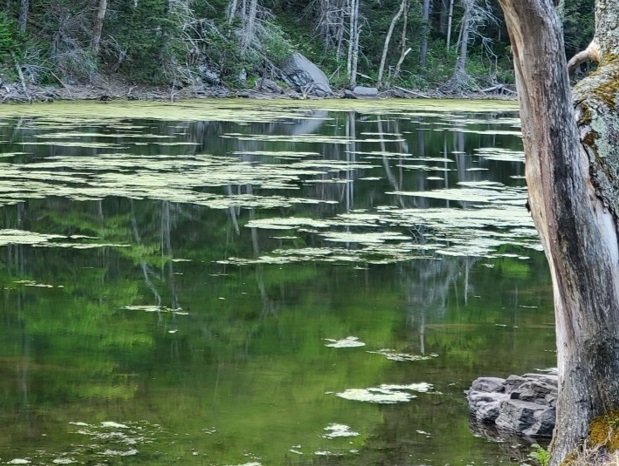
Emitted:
pixel 386 393
pixel 393 355
pixel 335 430
pixel 348 342
pixel 103 441
pixel 154 308
pixel 500 154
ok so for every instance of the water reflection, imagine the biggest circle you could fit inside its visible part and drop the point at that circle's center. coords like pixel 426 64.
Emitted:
pixel 170 288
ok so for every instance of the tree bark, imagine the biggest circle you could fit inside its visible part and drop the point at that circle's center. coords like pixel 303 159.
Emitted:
pixel 98 28
pixel 425 17
pixel 22 20
pixel 404 48
pixel 572 156
pixel 442 21
pixel 231 11
pixel 450 16
pixel 464 40
pixel 249 26
pixel 383 58
pixel 353 42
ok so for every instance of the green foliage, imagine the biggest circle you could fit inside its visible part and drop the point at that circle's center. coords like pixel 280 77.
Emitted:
pixel 578 25
pixel 9 40
pixel 540 454
pixel 157 41
pixel 145 40
pixel 275 43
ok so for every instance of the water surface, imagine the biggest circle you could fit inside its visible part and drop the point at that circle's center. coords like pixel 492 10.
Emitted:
pixel 263 283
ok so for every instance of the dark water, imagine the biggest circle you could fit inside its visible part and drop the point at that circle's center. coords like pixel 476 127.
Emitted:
pixel 172 278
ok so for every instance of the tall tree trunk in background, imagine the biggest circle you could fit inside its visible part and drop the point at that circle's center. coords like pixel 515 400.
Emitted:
pixel 231 11
pixel 464 38
pixel 249 26
pixel 404 48
pixel 572 154
pixel 459 79
pixel 425 17
pixel 353 41
pixel 383 58
pixel 450 16
pixel 442 19
pixel 96 35
pixel 22 19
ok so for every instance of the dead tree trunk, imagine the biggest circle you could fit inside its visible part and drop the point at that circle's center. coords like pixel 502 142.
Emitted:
pixel 22 20
pixel 249 26
pixel 353 41
pixel 383 58
pixel 460 70
pixel 423 53
pixel 98 28
pixel 572 157
pixel 404 48
pixel 450 16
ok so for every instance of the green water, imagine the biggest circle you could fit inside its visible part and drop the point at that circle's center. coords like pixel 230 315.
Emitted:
pixel 177 281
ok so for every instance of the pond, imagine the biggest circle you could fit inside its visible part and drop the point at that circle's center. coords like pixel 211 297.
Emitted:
pixel 263 283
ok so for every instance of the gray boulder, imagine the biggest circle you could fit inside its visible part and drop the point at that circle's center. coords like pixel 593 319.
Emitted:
pixel 305 76
pixel 488 385
pixel 526 418
pixel 523 405
pixel 365 91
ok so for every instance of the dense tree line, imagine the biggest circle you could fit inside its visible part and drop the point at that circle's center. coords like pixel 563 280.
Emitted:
pixel 458 44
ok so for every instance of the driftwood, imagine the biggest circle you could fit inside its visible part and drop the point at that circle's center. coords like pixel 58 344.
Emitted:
pixel 499 88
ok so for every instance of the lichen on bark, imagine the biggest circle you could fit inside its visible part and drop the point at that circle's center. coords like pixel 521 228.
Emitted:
pixel 597 101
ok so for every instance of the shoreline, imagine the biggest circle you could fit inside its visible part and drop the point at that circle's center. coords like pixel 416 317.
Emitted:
pixel 18 93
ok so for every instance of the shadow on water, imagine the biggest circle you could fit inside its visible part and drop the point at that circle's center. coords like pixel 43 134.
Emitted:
pixel 296 287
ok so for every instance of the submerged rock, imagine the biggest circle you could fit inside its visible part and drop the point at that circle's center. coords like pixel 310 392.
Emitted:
pixel 523 405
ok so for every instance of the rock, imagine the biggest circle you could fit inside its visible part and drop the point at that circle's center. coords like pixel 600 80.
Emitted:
pixel 536 391
pixel 544 424
pixel 209 76
pixel 485 406
pixel 270 86
pixel 304 75
pixel 518 415
pixel 523 405
pixel 489 384
pixel 365 91
pixel 349 95
pixel 513 382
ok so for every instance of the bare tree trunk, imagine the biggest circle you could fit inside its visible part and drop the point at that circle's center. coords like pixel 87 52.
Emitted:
pixel 450 16
pixel 353 41
pixel 383 58
pixel 22 20
pixel 98 28
pixel 575 203
pixel 423 53
pixel 464 40
pixel 249 26
pixel 232 7
pixel 405 49
pixel 442 21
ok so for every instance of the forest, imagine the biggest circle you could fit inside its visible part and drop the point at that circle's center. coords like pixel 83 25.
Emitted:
pixel 457 46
